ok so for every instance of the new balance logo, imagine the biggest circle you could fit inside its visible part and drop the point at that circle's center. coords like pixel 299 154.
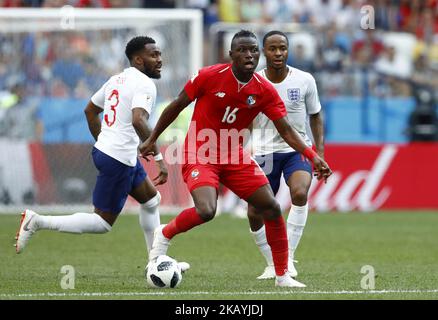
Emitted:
pixel 220 94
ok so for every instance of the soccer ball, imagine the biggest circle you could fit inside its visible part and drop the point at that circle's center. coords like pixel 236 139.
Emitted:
pixel 163 272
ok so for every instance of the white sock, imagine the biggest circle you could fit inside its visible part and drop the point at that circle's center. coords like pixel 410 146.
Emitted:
pixel 75 223
pixel 150 219
pixel 295 225
pixel 262 242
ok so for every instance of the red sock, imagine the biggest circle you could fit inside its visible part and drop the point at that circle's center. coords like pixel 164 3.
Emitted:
pixel 277 238
pixel 186 220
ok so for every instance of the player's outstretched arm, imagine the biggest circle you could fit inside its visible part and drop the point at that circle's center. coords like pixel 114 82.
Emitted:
pixel 317 127
pixel 169 115
pixel 92 114
pixel 292 138
pixel 140 123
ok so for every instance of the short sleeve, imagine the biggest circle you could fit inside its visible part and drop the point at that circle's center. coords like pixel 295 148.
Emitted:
pixel 275 108
pixel 99 97
pixel 145 97
pixel 313 105
pixel 195 86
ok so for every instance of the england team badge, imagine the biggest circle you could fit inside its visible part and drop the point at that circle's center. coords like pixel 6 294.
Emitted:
pixel 293 94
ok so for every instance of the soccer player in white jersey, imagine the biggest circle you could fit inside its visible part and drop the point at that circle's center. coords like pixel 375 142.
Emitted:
pixel 298 91
pixel 126 101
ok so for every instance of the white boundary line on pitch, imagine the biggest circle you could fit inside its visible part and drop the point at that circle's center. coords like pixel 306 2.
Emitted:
pixel 202 293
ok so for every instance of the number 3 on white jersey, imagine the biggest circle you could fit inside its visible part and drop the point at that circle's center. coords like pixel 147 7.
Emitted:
pixel 115 94
pixel 230 117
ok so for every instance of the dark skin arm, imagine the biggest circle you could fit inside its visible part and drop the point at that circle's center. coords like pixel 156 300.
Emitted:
pixel 140 119
pixel 292 138
pixel 167 117
pixel 317 127
pixel 92 114
pixel 140 123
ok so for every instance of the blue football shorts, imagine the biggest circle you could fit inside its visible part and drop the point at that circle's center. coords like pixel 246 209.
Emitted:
pixel 275 164
pixel 114 182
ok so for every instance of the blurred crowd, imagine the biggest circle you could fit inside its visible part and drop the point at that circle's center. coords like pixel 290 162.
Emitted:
pixel 397 56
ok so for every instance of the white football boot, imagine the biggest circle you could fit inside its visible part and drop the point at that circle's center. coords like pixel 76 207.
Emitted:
pixel 25 230
pixel 291 268
pixel 183 266
pixel 287 281
pixel 269 273
pixel 160 243
pixel 160 246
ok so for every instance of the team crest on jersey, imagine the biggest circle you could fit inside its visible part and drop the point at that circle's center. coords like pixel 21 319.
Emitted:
pixel 293 94
pixel 195 173
pixel 251 101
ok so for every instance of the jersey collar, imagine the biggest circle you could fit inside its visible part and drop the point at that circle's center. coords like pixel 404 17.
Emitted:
pixel 240 84
pixel 289 72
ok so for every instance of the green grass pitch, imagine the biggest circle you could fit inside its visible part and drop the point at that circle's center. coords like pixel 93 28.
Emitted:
pixel 400 246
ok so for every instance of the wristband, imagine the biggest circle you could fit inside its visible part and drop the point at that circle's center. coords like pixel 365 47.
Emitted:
pixel 158 157
pixel 309 153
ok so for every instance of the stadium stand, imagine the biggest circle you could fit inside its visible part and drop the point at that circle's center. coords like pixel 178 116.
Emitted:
pixel 359 70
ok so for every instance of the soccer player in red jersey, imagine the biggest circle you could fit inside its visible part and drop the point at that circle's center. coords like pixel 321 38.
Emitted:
pixel 228 98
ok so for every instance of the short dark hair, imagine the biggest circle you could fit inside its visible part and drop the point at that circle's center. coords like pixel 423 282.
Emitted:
pixel 243 34
pixel 136 44
pixel 275 32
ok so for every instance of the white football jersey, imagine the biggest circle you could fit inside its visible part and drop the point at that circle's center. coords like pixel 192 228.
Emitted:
pixel 117 97
pixel 300 96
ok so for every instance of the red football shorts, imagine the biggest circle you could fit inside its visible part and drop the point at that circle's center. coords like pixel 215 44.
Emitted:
pixel 242 179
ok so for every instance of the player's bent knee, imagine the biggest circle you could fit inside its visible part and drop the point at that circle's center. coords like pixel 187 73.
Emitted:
pixel 153 202
pixel 207 215
pixel 252 213
pixel 101 225
pixel 274 210
pixel 299 197
pixel 270 204
pixel 206 211
pixel 271 210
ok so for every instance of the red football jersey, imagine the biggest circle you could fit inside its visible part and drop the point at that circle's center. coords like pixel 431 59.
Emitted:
pixel 224 106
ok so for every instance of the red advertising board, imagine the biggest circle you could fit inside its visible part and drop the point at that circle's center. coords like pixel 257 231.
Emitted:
pixel 365 177
pixel 371 177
